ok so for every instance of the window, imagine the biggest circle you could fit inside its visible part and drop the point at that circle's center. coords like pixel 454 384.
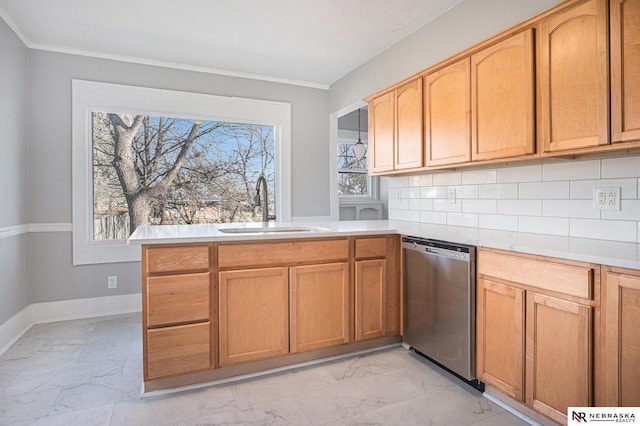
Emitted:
pixel 148 157
pixel 352 172
pixel 176 171
pixel 353 178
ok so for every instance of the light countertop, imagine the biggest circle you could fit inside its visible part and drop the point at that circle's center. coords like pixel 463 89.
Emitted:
pixel 613 253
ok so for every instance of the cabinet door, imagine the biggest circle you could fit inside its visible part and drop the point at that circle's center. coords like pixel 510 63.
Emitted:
pixel 381 133
pixel 409 143
pixel 502 99
pixel 622 340
pixel 319 311
pixel 370 298
pixel 254 317
pixel 500 337
pixel 625 70
pixel 573 78
pixel 558 355
pixel 447 114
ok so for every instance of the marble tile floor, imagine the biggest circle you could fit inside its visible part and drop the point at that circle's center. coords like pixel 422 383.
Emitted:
pixel 88 372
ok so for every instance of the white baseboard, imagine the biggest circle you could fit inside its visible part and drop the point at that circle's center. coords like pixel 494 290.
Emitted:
pixel 64 310
pixel 13 329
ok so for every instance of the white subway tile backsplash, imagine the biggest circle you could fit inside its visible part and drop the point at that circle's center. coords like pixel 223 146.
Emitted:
pixel 621 167
pixel 399 203
pixel 520 174
pixel 617 230
pixel 583 189
pixel 479 206
pixel 434 192
pixel 462 219
pixel 544 190
pixel 421 180
pixel 571 171
pixel 421 204
pixel 498 190
pixel 397 181
pixel 465 191
pixel 406 215
pixel 520 207
pixel 544 225
pixel 438 218
pixel 452 178
pixel 498 221
pixel 479 176
pixel 446 206
pixel 552 198
pixel 570 208
pixel 629 210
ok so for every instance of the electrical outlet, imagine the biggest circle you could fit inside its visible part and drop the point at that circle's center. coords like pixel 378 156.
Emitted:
pixel 606 198
pixel 112 281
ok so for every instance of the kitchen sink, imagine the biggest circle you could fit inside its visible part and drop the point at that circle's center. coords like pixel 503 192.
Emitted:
pixel 270 229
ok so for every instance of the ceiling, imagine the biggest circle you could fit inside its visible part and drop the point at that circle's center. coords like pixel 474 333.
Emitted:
pixel 307 42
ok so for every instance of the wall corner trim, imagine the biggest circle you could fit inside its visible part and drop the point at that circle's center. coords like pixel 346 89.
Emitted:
pixel 64 310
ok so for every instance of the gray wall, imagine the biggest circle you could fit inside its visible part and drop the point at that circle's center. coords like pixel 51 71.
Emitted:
pixel 463 26
pixel 53 276
pixel 14 272
pixel 466 24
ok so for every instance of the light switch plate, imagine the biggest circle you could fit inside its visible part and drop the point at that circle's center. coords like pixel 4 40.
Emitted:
pixel 451 195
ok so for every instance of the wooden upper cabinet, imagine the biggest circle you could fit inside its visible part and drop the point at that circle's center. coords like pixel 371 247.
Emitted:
pixel 447 114
pixel 502 99
pixel 573 78
pixel 409 151
pixel 381 133
pixel 625 70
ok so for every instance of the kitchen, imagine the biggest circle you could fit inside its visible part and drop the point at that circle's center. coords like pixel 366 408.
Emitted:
pixel 41 283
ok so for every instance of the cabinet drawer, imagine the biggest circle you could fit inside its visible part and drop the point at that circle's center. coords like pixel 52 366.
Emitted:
pixel 281 253
pixel 177 258
pixel 371 247
pixel 178 350
pixel 175 299
pixel 540 273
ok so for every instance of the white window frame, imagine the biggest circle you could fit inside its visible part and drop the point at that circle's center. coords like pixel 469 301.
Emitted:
pixel 351 137
pixel 90 96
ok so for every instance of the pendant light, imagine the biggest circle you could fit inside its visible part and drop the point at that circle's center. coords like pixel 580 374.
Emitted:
pixel 359 149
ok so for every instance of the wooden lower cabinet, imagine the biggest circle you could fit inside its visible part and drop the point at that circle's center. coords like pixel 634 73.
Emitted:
pixel 319 306
pixel 222 309
pixel 559 355
pixel 500 337
pixel 253 314
pixel 177 350
pixel 536 329
pixel 370 298
pixel 621 330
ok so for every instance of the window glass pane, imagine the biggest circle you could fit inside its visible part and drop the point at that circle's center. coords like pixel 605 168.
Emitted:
pixel 150 170
pixel 352 173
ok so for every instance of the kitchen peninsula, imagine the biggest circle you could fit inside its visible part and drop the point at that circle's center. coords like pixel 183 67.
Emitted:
pixel 227 300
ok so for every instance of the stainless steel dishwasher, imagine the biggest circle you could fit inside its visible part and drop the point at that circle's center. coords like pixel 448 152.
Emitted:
pixel 439 313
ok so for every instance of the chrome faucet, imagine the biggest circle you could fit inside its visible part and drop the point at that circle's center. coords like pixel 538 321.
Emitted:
pixel 257 202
